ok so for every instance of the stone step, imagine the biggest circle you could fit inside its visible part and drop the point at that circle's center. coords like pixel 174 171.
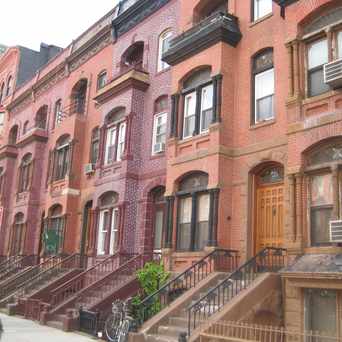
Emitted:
pixel 170 330
pixel 160 338
pixel 181 322
pixel 55 324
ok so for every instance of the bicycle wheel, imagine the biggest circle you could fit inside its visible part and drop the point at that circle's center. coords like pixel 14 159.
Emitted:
pixel 111 327
pixel 124 330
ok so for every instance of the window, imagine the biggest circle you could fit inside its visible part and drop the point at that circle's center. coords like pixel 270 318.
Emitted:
pixel 133 57
pixel 13 135
pixel 193 213
pixel 320 311
pixel 17 235
pixel 108 226
pixel 261 8
pixel 159 215
pixel 61 158
pixel 9 86
pixel 95 145
pixel 101 80
pixel 58 112
pixel 25 127
pixel 78 97
pixel 263 83
pixel 25 173
pixel 317 56
pixel 2 92
pixel 164 44
pixel 115 136
pixel 41 117
pixel 159 125
pixel 198 103
pixel 2 122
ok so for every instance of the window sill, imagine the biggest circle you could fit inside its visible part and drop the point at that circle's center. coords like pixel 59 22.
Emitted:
pixel 260 20
pixel 323 250
pixel 320 97
pixel 157 156
pixel 263 124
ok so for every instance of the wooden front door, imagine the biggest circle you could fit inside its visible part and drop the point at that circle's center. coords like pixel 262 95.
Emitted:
pixel 269 216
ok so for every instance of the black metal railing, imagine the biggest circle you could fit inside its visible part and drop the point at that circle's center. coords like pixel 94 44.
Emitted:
pixel 89 322
pixel 268 260
pixel 224 260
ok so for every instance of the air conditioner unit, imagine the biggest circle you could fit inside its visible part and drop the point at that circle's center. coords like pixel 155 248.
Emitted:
pixel 158 148
pixel 88 169
pixel 333 73
pixel 336 231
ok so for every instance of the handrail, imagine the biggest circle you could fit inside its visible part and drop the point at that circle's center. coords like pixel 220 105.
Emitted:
pixel 13 284
pixel 270 259
pixel 8 260
pixel 133 263
pixel 18 262
pixel 84 279
pixel 74 260
pixel 219 259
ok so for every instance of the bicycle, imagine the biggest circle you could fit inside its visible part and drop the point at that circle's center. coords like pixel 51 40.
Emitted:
pixel 118 324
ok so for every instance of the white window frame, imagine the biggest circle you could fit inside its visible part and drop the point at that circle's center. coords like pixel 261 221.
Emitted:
pixel 162 115
pixel 256 119
pixel 102 233
pixel 121 141
pixel 256 9
pixel 111 136
pixel 164 36
pixel 203 130
pixel 114 231
pixel 186 112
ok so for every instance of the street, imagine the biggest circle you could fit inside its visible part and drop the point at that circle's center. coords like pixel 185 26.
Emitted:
pixel 21 330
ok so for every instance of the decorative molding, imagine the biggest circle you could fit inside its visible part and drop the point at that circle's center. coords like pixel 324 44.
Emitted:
pixel 219 27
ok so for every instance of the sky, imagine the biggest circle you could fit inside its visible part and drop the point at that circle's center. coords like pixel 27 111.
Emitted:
pixel 57 22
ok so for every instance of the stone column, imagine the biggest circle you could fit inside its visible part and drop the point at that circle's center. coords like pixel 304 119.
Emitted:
pixel 296 80
pixel 292 207
pixel 170 200
pixel 290 71
pixel 174 115
pixel 299 207
pixel 213 217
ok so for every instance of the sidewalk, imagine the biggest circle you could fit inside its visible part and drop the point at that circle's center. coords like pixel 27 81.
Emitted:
pixel 21 330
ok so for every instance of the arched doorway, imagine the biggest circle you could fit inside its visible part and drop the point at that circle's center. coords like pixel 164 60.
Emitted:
pixel 268 207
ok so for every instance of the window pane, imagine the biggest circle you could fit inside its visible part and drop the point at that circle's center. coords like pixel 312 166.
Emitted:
pixel 320 312
pixel 114 232
pixel 339 44
pixel 202 227
pixel 264 109
pixel 261 8
pixel 264 84
pixel 158 229
pixel 321 190
pixel 159 131
pixel 110 146
pixel 207 105
pixel 318 54
pixel 164 44
pixel 320 218
pixel 184 227
pixel 185 210
pixel 121 140
pixel 316 83
pixel 189 115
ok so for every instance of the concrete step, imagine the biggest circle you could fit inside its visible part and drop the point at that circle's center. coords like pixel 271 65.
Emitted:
pixel 55 324
pixel 181 322
pixel 170 330
pixel 160 338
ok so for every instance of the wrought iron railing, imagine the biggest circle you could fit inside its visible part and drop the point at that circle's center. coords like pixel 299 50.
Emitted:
pixel 109 283
pixel 268 260
pixel 224 260
pixel 6 261
pixel 89 322
pixel 15 283
pixel 68 290
pixel 15 264
pixel 239 331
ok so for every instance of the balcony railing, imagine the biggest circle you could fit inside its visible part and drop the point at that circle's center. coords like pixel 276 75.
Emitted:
pixel 219 27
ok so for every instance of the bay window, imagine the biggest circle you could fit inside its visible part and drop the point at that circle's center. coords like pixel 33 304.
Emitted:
pixel 261 8
pixel 263 83
pixel 318 55
pixel 108 225
pixel 115 137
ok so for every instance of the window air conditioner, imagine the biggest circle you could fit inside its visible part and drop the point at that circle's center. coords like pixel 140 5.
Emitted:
pixel 333 73
pixel 88 169
pixel 336 231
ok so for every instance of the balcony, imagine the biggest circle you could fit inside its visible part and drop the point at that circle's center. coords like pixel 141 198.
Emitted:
pixel 34 134
pixel 219 27
pixel 133 77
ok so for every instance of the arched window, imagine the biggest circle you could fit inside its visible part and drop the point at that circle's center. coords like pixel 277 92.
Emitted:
pixel 115 136
pixel 13 135
pixel 2 92
pixel 101 79
pixel 133 57
pixel 26 127
pixel 159 125
pixel 9 86
pixel 263 85
pixel 197 89
pixel 62 158
pixel 164 44
pixel 58 113
pixel 193 213
pixel 95 145
pixel 323 164
pixel 261 8
pixel 108 224
pixel 78 97
pixel 54 228
pixel 41 117
pixel 25 173
pixel 17 235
